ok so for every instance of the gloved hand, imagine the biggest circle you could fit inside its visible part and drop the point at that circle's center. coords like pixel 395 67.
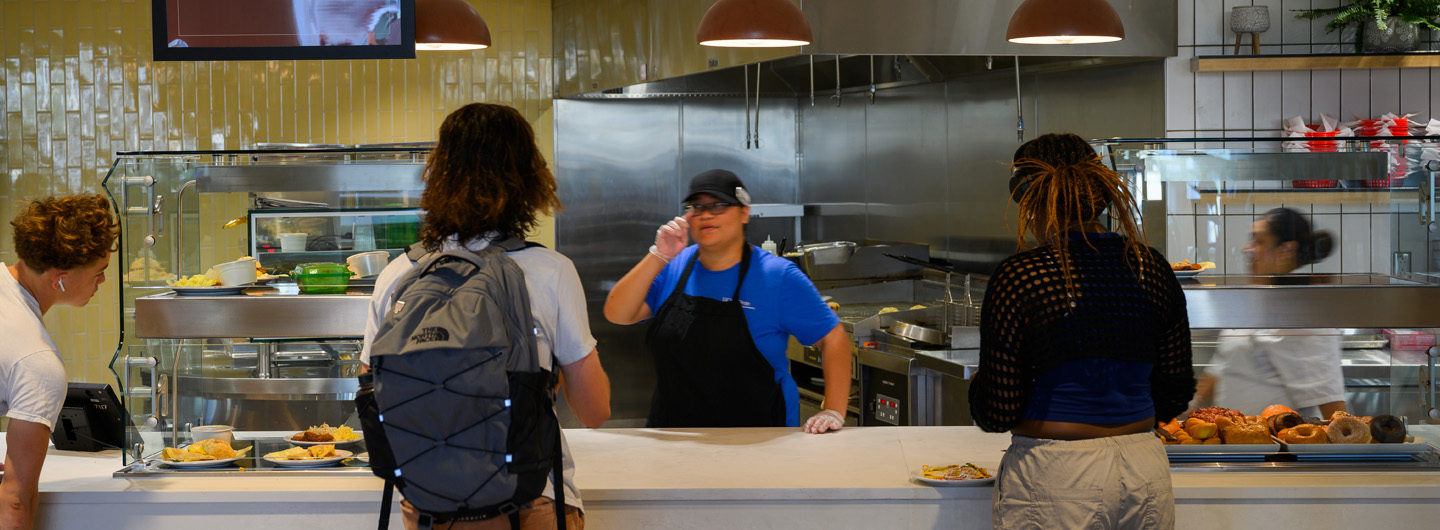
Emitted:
pixel 671 238
pixel 824 421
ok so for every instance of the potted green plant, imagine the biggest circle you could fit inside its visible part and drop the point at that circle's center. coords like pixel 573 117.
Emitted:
pixel 1385 26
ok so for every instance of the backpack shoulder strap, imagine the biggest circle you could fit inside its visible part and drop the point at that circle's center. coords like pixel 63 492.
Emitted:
pixel 416 251
pixel 509 243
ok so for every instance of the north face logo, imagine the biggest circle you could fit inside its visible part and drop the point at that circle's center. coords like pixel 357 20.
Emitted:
pixel 430 335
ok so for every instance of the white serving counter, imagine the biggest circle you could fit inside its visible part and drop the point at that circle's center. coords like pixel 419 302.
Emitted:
pixel 735 478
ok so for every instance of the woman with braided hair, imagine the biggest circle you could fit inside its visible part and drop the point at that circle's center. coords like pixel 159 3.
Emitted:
pixel 1084 345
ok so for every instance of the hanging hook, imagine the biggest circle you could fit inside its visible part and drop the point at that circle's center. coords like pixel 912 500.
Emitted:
pixel 872 79
pixel 836 97
pixel 812 80
pixel 1019 111
pixel 745 91
pixel 757 105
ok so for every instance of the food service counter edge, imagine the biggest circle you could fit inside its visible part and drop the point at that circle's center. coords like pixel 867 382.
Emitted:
pixel 735 478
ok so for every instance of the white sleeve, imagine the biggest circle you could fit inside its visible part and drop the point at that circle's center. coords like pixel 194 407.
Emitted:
pixel 1309 366
pixel 572 334
pixel 380 301
pixel 37 388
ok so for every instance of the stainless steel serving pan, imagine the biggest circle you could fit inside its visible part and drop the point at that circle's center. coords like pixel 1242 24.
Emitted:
pixel 918 333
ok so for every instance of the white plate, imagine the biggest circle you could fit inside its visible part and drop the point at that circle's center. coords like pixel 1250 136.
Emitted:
pixel 308 444
pixel 969 482
pixel 363 457
pixel 1188 274
pixel 199 463
pixel 213 290
pixel 340 454
pixel 1222 448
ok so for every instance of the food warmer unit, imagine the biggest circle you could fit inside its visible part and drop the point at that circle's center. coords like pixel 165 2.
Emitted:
pixel 264 361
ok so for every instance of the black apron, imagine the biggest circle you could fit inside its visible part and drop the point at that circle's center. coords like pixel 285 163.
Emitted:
pixel 708 371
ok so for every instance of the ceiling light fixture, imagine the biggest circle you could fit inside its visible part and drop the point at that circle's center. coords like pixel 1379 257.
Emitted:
pixel 753 24
pixel 449 25
pixel 1065 22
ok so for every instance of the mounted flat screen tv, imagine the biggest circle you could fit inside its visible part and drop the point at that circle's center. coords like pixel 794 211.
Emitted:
pixel 246 30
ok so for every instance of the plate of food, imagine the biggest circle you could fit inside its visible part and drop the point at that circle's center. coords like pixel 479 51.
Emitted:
pixel 204 453
pixel 325 434
pixel 213 290
pixel 1185 269
pixel 313 456
pixel 953 475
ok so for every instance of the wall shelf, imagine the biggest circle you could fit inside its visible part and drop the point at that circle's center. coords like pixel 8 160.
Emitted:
pixel 1309 196
pixel 1251 63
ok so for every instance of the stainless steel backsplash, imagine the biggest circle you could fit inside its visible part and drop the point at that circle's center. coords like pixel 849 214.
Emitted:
pixel 925 163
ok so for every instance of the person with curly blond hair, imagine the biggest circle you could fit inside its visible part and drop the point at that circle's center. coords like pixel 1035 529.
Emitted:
pixel 64 246
pixel 484 182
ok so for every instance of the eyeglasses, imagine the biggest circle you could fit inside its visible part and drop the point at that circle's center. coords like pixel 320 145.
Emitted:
pixel 715 208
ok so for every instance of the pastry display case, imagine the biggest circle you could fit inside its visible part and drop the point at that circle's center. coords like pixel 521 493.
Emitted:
pixel 1359 313
pixel 260 362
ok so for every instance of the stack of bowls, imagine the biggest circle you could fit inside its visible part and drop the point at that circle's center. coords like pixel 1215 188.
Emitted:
pixel 1319 146
pixel 366 264
pixel 239 272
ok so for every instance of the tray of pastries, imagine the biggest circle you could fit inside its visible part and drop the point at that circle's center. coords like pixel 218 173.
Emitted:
pixel 1278 429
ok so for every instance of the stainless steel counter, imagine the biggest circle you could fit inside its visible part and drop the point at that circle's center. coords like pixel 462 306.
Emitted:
pixel 259 312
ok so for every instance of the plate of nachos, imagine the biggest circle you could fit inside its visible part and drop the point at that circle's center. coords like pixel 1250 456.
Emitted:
pixel 313 456
pixel 966 474
pixel 325 434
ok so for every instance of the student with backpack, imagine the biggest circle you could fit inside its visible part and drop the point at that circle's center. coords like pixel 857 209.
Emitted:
pixel 464 339
pixel 721 313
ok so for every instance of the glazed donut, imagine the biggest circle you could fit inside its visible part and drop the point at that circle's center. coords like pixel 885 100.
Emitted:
pixel 1387 429
pixel 1281 421
pixel 1347 429
pixel 1306 434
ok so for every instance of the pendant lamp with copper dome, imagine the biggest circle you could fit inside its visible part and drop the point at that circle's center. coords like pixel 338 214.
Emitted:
pixel 753 24
pixel 449 25
pixel 1065 22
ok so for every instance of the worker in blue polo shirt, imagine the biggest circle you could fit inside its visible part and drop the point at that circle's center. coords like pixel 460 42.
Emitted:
pixel 721 312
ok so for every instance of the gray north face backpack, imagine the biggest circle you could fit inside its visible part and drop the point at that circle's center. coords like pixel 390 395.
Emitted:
pixel 457 412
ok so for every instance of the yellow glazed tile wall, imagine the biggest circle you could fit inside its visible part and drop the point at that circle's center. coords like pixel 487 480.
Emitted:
pixel 77 85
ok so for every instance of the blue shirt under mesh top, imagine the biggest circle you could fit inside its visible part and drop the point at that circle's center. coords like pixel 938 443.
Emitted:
pixel 1112 348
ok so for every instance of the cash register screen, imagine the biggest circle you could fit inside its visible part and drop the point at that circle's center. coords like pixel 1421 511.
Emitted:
pixel 90 420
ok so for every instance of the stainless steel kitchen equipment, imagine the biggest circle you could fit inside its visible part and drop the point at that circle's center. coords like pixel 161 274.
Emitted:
pixel 257 360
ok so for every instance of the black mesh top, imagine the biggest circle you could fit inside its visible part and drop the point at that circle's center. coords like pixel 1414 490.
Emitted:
pixel 1030 325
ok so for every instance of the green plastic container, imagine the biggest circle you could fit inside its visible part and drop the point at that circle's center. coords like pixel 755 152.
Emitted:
pixel 322 278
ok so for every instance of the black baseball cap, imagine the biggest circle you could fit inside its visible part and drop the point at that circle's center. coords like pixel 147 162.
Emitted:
pixel 720 183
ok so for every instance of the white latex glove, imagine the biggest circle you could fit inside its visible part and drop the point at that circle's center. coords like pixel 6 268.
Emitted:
pixel 671 238
pixel 824 421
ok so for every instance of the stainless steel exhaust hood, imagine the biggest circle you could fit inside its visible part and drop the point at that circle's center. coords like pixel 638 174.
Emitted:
pixel 604 45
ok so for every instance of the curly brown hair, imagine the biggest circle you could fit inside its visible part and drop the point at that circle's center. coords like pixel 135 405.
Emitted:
pixel 65 232
pixel 486 173
pixel 1067 185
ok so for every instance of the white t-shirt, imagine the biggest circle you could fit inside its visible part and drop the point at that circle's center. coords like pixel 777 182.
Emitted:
pixel 1296 368
pixel 32 375
pixel 557 302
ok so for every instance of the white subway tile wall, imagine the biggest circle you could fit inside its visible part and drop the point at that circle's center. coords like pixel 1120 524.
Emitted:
pixel 1243 104
pixel 77 84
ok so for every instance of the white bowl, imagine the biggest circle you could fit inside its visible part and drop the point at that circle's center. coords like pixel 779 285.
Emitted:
pixel 218 432
pixel 239 272
pixel 293 242
pixel 368 263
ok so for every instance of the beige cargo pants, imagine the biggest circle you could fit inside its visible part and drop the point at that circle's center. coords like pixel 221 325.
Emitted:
pixel 1120 482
